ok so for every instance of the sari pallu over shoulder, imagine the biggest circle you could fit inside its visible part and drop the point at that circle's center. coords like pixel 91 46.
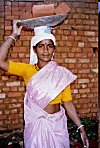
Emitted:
pixel 48 83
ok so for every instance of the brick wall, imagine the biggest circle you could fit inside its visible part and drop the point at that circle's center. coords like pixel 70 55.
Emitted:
pixel 77 49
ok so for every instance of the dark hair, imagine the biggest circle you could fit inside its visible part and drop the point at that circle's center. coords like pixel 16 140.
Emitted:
pixel 39 42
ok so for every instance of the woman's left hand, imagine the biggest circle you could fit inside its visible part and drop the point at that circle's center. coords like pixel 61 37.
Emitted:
pixel 84 138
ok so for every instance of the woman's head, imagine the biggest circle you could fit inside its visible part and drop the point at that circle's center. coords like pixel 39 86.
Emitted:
pixel 41 33
pixel 44 50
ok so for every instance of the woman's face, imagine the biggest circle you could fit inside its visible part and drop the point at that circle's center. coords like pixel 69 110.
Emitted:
pixel 44 50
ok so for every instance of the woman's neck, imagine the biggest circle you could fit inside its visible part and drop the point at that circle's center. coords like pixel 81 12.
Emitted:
pixel 41 64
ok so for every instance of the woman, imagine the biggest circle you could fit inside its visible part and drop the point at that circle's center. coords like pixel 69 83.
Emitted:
pixel 48 84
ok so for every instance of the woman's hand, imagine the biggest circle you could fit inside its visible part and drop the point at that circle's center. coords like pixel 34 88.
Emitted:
pixel 16 29
pixel 84 139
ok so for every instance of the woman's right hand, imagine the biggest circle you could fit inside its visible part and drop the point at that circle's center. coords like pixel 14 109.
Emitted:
pixel 16 29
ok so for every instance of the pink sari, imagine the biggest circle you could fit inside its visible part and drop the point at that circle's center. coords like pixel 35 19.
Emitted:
pixel 44 130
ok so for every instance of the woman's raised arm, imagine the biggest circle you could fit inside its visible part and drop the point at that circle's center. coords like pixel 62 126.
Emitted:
pixel 4 49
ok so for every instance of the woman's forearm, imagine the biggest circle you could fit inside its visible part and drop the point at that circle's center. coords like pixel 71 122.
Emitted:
pixel 71 111
pixel 4 50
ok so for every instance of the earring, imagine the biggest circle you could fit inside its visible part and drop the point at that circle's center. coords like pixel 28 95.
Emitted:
pixel 53 56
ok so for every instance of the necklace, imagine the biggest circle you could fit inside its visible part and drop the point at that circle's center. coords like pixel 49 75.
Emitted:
pixel 36 67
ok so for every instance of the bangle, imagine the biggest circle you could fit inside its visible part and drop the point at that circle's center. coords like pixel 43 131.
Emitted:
pixel 80 127
pixel 12 38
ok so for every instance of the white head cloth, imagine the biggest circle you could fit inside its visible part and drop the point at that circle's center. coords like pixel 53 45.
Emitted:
pixel 41 33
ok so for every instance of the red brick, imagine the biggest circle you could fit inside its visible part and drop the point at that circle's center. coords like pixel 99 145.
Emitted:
pixel 15 121
pixel 14 55
pixel 26 43
pixel 78 55
pixel 7 33
pixel 60 32
pixel 75 44
pixel 72 38
pixel 71 66
pixel 1 122
pixel 13 89
pixel 4 78
pixel 2 117
pixel 71 55
pixel 22 4
pixel 83 81
pixel 8 13
pixel 71 21
pixel 94 17
pixel 7 112
pixel 63 55
pixel 74 32
pixel 66 32
pixel 89 11
pixel 79 76
pixel 75 49
pixel 8 28
pixel 70 60
pixel 83 95
pixel 80 33
pixel 26 15
pixel 7 23
pixel 93 5
pixel 21 89
pixel 1 20
pixel 2 14
pixel 20 100
pixel 74 71
pixel 17 13
pixel 8 8
pixel 87 90
pixel 89 33
pixel 15 8
pixel 11 17
pixel 75 101
pixel 60 61
pixel 65 27
pixel 87 27
pixel 14 100
pixel 24 38
pixel 25 60
pixel 85 66
pixel 88 22
pixel 62 43
pixel 42 10
pixel 21 55
pixel 5 89
pixel 20 49
pixel 81 44
pixel 14 94
pixel 63 8
pixel 15 4
pixel 68 43
pixel 94 110
pixel 84 111
pixel 57 56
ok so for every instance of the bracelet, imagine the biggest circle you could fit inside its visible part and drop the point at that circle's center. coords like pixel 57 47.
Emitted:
pixel 79 127
pixel 12 38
